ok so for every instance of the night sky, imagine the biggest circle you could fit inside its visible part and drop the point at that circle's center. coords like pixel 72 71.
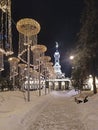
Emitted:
pixel 59 21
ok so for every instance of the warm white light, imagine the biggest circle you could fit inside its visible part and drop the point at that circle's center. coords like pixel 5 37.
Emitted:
pixel 63 83
pixel 90 76
pixel 71 57
pixel 56 83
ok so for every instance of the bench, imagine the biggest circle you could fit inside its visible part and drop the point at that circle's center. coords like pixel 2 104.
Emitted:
pixel 81 99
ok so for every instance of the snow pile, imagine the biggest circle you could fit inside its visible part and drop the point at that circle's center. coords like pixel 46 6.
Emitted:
pixel 68 93
pixel 89 113
pixel 14 109
pixel 72 93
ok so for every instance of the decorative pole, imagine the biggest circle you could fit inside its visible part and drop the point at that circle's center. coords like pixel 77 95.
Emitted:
pixel 28 55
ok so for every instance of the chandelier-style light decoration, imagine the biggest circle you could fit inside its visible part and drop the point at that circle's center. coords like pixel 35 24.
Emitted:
pixel 28 30
pixel 38 52
pixel 22 71
pixel 44 60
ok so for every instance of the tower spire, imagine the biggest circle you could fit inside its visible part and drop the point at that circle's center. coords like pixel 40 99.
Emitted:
pixel 57 66
pixel 57 45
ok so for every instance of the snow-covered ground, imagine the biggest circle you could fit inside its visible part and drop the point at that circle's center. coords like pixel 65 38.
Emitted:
pixel 54 111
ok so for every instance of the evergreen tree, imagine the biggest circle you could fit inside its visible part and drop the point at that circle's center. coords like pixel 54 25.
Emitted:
pixel 87 47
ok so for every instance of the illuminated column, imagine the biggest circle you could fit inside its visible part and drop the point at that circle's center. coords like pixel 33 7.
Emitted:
pixel 28 30
pixel 39 51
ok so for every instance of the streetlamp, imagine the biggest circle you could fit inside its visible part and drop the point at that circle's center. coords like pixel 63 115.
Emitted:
pixel 71 57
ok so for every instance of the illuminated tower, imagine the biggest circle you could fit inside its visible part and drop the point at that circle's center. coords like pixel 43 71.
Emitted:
pixel 57 66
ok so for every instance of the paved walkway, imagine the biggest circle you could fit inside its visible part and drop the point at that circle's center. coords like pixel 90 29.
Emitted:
pixel 60 113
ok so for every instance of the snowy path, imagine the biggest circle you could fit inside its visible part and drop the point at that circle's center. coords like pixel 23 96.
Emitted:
pixel 54 111
pixel 60 113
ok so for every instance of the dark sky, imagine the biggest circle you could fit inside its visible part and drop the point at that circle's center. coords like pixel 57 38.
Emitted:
pixel 59 21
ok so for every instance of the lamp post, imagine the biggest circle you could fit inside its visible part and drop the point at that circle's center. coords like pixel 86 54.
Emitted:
pixel 72 58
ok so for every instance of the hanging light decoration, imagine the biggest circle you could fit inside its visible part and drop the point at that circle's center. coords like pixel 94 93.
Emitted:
pixel 5 31
pixel 5 28
pixel 44 60
pixel 22 71
pixel 39 51
pixel 28 30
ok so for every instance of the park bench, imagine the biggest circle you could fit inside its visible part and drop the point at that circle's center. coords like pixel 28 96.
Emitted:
pixel 81 99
